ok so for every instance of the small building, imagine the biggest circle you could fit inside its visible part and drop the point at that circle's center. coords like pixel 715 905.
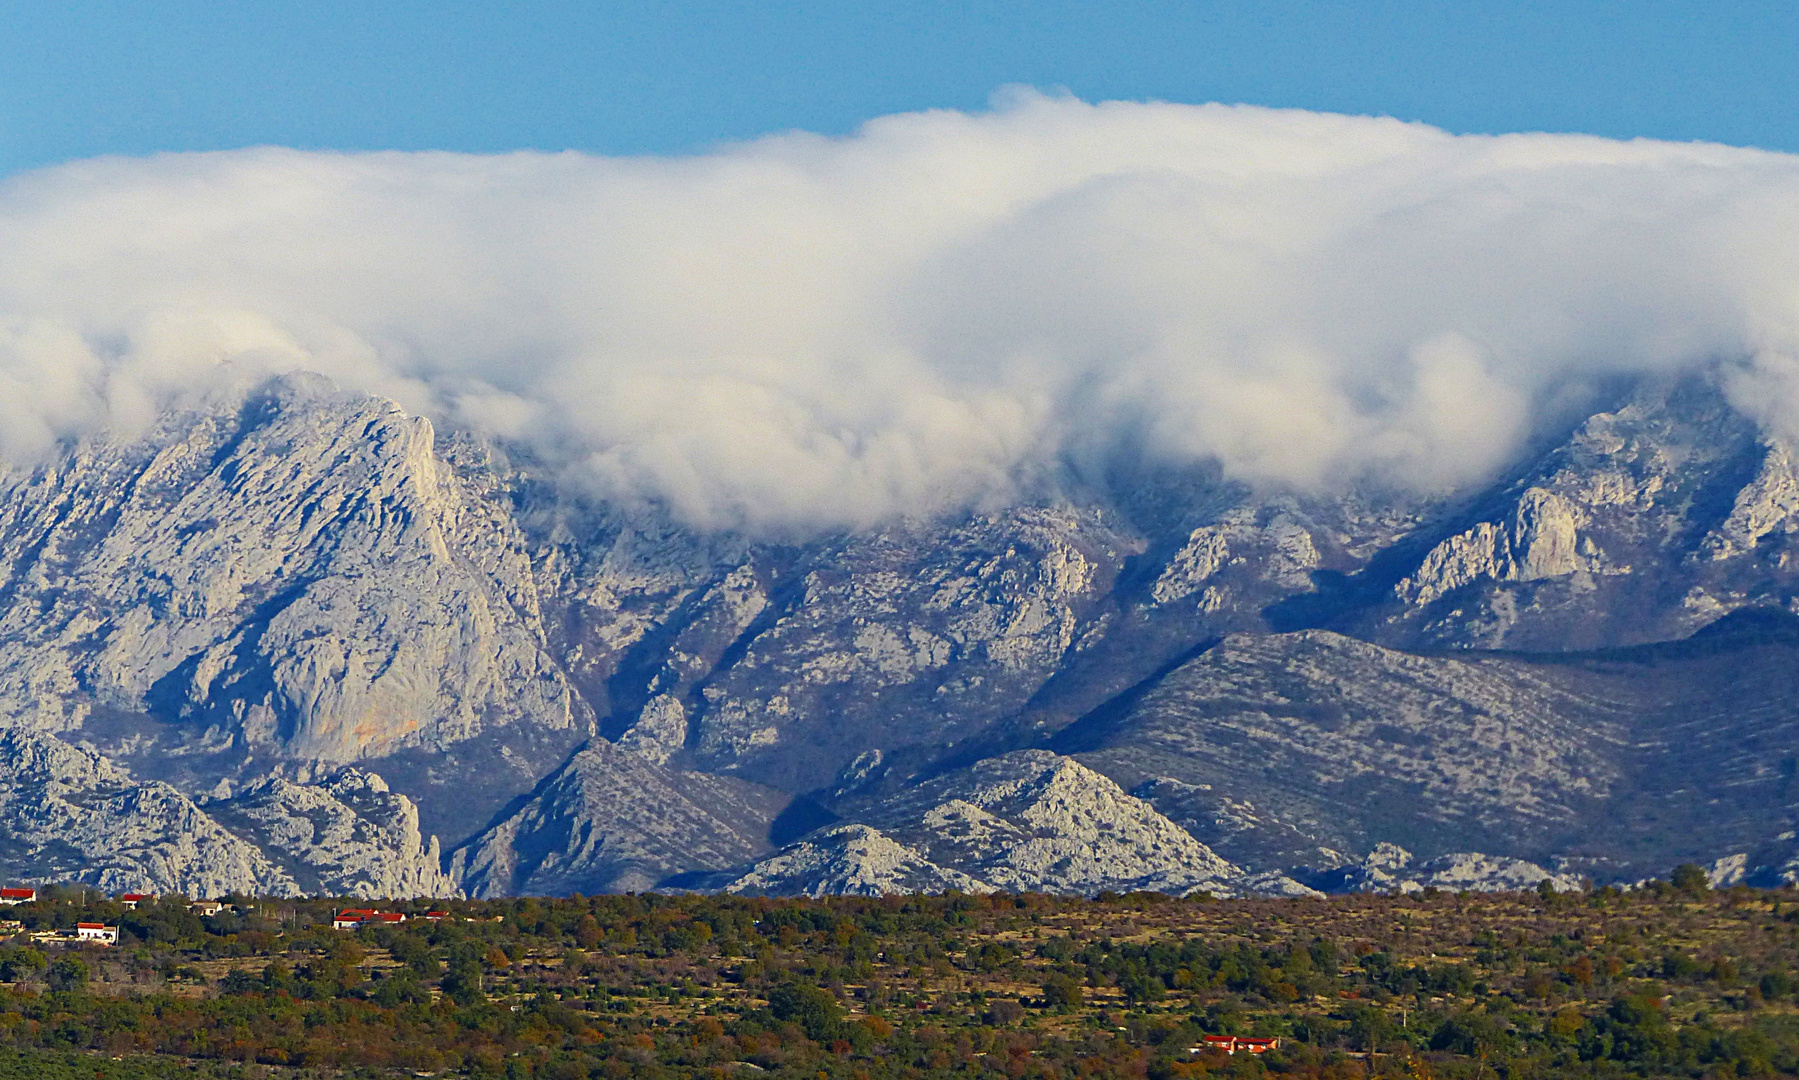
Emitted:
pixel 131 900
pixel 11 926
pixel 97 932
pixel 350 918
pixel 18 896
pixel 1230 1044
pixel 437 916
pixel 206 907
pixel 384 918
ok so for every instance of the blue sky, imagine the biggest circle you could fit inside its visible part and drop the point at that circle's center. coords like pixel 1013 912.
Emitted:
pixel 78 80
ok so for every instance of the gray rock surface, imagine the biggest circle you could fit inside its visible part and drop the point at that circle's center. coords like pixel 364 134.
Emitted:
pixel 293 568
pixel 849 860
pixel 67 814
pixel 1030 821
pixel 613 821
pixel 284 581
pixel 348 836
pixel 1390 868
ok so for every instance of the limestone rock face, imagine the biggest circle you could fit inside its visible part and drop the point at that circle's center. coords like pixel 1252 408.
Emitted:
pixel 349 836
pixel 1764 511
pixel 850 860
pixel 69 815
pixel 1389 868
pixel 304 642
pixel 901 639
pixel 1651 520
pixel 294 567
pixel 1027 821
pixel 611 821
pixel 1541 540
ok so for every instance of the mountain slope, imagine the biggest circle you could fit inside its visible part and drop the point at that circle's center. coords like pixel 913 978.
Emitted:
pixel 282 582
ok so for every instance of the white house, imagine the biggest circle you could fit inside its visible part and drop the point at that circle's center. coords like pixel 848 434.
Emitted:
pixel 100 932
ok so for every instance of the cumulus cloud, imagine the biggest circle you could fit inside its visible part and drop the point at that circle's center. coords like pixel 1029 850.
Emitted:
pixel 941 310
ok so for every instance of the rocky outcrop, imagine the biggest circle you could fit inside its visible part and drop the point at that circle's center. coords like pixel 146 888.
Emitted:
pixel 1033 821
pixel 1540 540
pixel 1275 546
pixel 1766 508
pixel 348 836
pixel 850 860
pixel 1649 521
pixel 1390 868
pixel 611 821
pixel 293 566
pixel 901 639
pixel 66 814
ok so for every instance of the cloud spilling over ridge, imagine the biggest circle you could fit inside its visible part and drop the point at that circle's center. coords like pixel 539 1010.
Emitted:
pixel 802 332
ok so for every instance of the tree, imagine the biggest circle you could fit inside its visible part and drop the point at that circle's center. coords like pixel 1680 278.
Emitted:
pixel 1689 878
pixel 1470 1033
pixel 69 973
pixel 1060 989
pixel 462 983
pixel 1370 1027
pixel 16 964
pixel 239 981
pixel 813 1008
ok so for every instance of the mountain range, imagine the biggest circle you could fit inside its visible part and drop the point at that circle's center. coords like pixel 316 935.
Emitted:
pixel 290 639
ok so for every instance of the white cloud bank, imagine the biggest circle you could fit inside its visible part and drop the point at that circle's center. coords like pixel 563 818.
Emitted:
pixel 804 332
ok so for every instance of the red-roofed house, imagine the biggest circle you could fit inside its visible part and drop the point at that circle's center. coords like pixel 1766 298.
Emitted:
pixel 133 899
pixel 436 916
pixel 98 932
pixel 17 896
pixel 352 918
pixel 1230 1044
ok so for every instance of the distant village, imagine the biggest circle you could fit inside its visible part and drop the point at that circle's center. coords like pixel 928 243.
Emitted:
pixel 104 935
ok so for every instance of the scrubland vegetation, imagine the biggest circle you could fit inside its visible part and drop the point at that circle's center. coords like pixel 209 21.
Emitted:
pixel 1667 981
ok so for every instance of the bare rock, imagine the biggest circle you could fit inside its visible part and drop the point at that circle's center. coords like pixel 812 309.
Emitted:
pixel 295 567
pixel 611 821
pixel 1036 821
pixel 66 814
pixel 850 860
pixel 349 836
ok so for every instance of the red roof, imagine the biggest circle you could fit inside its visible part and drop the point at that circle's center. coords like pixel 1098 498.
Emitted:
pixel 355 913
pixel 386 916
pixel 90 926
pixel 137 896
pixel 10 893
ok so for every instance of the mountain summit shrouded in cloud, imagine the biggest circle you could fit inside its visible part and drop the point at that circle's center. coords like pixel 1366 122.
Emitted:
pixel 940 311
